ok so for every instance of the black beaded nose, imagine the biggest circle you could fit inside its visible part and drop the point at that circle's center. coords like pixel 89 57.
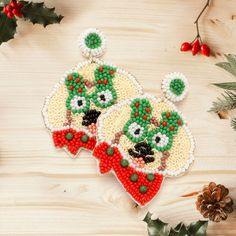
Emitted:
pixel 90 117
pixel 144 150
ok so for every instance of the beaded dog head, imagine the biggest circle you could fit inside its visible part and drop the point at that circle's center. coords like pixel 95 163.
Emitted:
pixel 72 109
pixel 143 139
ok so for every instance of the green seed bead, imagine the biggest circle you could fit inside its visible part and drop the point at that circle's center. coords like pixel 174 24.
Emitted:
pixel 84 138
pixel 69 136
pixel 143 189
pixel 110 151
pixel 124 163
pixel 150 177
pixel 134 177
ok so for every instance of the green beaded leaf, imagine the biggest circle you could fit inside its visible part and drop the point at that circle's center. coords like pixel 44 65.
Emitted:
pixel 170 122
pixel 38 13
pixel 105 94
pixel 135 130
pixel 104 75
pixel 141 110
pixel 7 27
pixel 160 140
pixel 75 84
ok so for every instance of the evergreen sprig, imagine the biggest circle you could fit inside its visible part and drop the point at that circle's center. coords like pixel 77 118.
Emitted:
pixel 227 101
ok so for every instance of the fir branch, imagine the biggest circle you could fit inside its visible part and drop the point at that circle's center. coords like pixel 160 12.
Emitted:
pixel 228 102
pixel 233 124
pixel 227 85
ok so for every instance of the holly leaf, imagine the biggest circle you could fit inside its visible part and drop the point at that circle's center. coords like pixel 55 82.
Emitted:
pixel 198 228
pixel 156 227
pixel 7 28
pixel 38 13
pixel 227 86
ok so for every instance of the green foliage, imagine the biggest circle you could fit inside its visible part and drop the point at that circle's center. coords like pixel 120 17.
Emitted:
pixel 226 103
pixel 38 13
pixel 7 28
pixel 159 228
pixel 229 66
pixel 228 100
pixel 227 86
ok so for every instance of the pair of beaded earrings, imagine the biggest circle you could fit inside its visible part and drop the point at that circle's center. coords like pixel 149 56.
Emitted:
pixel 100 107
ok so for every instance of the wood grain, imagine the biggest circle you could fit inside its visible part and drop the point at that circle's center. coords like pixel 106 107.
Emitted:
pixel 42 191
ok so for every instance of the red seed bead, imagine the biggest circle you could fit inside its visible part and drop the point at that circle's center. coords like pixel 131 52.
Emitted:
pixel 136 114
pixel 167 115
pixel 71 87
pixel 105 81
pixel 78 80
pixel 112 72
pixel 164 123
pixel 144 117
pixel 80 90
pixel 137 104
pixel 99 81
pixel 101 69
pixel 70 77
pixel 179 122
pixel 147 109
pixel 172 128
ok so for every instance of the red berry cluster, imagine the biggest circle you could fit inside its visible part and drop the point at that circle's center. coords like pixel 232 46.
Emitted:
pixel 13 9
pixel 196 47
pixel 73 140
pixel 141 186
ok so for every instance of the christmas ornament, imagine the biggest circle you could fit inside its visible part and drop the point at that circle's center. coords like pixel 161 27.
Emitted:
pixel 175 86
pixel 158 228
pixel 228 100
pixel 11 11
pixel 197 44
pixel 214 203
pixel 83 94
pixel 142 140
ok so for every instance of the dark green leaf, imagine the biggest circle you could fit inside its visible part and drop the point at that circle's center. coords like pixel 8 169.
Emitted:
pixel 7 28
pixel 198 228
pixel 38 13
pixel 156 227
pixel 228 86
pixel 233 123
pixel 228 67
pixel 179 230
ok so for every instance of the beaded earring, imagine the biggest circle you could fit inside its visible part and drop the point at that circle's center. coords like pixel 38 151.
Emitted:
pixel 83 94
pixel 142 140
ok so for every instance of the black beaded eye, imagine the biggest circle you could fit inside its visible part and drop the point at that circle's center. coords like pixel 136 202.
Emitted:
pixel 78 103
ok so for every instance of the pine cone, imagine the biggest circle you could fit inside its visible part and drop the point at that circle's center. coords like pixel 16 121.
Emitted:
pixel 213 202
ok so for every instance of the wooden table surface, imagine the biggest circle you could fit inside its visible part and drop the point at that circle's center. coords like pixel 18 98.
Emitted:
pixel 42 191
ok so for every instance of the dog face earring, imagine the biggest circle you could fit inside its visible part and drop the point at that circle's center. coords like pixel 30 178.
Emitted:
pixel 83 94
pixel 144 139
